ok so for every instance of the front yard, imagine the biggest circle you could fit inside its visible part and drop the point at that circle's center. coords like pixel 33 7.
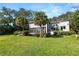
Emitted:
pixel 33 46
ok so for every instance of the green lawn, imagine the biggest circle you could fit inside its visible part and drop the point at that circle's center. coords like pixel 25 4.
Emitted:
pixel 33 46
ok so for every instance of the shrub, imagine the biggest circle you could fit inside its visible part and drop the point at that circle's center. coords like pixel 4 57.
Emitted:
pixel 6 29
pixel 42 35
pixel 67 33
pixel 56 33
pixel 72 32
pixel 47 35
pixel 37 34
pixel 24 32
pixel 17 32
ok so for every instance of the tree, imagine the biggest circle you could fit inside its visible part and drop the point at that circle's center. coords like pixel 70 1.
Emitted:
pixel 22 23
pixel 5 20
pixel 75 22
pixel 22 18
pixel 40 19
pixel 25 13
pixel 6 16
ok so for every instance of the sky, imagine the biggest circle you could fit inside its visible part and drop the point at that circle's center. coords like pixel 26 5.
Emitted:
pixel 51 9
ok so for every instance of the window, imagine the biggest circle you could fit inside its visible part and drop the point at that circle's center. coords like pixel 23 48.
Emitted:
pixel 52 28
pixel 32 30
pixel 63 27
pixel 37 30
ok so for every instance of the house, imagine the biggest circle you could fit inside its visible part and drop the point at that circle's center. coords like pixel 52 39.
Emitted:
pixel 36 29
pixel 49 28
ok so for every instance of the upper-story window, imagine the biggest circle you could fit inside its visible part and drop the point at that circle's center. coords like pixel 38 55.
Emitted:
pixel 63 27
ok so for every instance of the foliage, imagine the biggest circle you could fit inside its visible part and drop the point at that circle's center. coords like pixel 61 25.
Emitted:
pixel 67 33
pixel 47 35
pixel 75 22
pixel 21 33
pixel 42 35
pixel 37 34
pixel 17 32
pixel 8 16
pixel 22 23
pixel 7 29
pixel 40 19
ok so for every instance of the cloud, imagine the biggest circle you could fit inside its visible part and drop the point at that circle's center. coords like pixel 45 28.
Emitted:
pixel 73 6
pixel 44 10
pixel 55 8
pixel 73 9
pixel 53 11
pixel 52 8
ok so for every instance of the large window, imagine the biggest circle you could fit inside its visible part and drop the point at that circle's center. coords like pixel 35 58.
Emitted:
pixel 32 30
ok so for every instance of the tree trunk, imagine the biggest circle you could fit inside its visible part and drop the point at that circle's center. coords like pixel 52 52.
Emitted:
pixel 40 31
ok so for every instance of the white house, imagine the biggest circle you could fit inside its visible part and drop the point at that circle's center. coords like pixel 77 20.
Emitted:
pixel 63 26
pixel 36 29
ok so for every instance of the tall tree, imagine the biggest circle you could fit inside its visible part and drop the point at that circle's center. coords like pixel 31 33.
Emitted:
pixel 75 22
pixel 23 12
pixel 22 17
pixel 6 16
pixel 22 23
pixel 40 19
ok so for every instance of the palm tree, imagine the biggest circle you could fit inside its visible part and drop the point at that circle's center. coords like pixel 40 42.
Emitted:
pixel 40 19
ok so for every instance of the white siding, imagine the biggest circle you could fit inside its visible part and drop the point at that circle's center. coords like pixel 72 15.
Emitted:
pixel 66 24
pixel 35 26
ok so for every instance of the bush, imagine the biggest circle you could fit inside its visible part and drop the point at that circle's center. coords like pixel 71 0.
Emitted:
pixel 47 35
pixel 17 32
pixel 42 35
pixel 67 33
pixel 72 32
pixel 56 33
pixel 37 34
pixel 23 33
pixel 6 29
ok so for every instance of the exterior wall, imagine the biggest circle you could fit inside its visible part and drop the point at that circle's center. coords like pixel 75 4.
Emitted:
pixel 37 28
pixel 61 24
pixel 64 24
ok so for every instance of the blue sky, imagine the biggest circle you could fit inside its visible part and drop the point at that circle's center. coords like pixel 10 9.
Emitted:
pixel 51 9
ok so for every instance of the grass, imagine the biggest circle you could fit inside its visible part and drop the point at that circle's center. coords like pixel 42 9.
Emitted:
pixel 11 45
